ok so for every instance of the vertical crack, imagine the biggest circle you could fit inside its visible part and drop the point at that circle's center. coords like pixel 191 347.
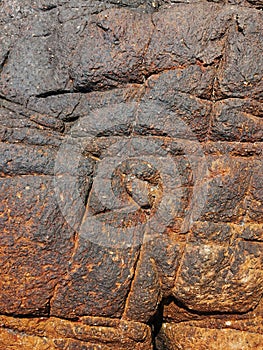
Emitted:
pixel 4 61
pixel 156 323
pixel 239 28
pixel 148 45
pixel 133 279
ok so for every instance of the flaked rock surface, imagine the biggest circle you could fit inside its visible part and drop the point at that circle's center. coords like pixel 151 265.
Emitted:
pixel 131 174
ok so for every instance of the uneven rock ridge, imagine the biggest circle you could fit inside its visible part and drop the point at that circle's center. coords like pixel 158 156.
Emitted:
pixel 131 174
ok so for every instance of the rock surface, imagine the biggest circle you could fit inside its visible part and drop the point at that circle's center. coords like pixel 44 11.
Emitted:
pixel 131 174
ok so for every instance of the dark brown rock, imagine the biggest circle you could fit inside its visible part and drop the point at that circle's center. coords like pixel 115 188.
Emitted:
pixel 131 174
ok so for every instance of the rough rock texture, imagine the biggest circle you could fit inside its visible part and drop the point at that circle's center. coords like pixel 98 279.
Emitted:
pixel 131 174
pixel 86 333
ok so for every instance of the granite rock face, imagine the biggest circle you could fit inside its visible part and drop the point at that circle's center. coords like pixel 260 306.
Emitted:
pixel 131 174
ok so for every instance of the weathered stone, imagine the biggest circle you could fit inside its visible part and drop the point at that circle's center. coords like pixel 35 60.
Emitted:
pixel 131 174
pixel 86 333
pixel 194 336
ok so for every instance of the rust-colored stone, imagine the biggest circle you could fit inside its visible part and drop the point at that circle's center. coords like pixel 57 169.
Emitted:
pixel 131 174
pixel 86 333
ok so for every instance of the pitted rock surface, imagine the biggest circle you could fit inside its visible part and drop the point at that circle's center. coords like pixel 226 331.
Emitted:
pixel 178 80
